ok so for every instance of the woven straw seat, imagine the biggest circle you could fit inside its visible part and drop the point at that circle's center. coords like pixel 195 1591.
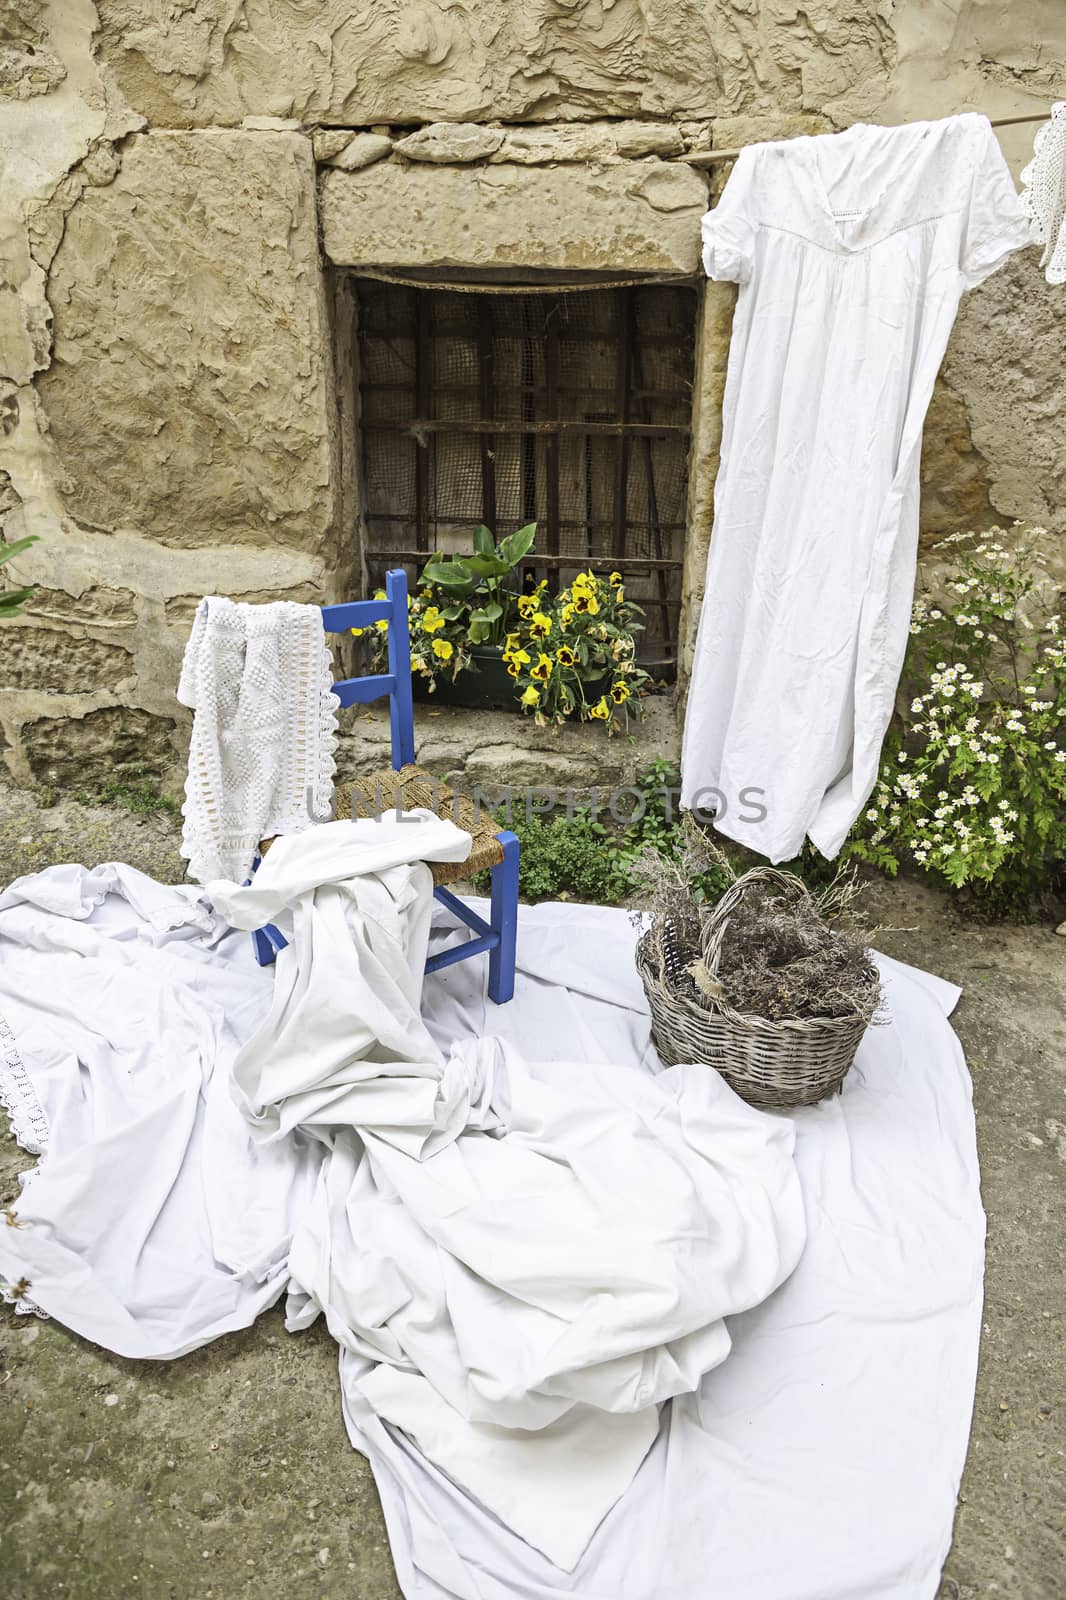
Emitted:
pixel 416 789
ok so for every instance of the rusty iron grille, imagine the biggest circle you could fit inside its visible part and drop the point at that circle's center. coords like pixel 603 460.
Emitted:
pixel 568 409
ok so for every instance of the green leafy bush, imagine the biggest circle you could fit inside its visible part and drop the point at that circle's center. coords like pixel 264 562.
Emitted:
pixel 972 786
pixel 564 859
pixel 587 858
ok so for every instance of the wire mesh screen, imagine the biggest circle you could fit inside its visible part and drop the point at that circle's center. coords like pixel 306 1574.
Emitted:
pixel 568 409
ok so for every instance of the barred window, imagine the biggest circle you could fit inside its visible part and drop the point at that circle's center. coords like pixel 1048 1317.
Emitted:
pixel 570 409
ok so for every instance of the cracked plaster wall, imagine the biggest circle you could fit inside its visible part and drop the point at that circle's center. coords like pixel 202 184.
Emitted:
pixel 167 413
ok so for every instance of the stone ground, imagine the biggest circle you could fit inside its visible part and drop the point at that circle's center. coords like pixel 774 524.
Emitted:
pixel 228 1474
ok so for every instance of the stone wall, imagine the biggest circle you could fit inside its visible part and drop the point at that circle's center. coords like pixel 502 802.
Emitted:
pixel 177 181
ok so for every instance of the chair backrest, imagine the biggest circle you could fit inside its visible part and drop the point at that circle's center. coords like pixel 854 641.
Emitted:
pixel 396 683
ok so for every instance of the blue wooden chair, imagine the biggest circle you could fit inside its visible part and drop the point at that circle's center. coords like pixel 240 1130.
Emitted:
pixel 408 786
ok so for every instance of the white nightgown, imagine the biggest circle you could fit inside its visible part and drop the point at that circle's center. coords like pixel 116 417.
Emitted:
pixel 852 251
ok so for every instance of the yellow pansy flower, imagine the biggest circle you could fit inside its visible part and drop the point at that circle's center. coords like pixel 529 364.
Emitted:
pixel 540 625
pixel 567 616
pixel 443 649
pixel 615 580
pixel 531 697
pixel 585 603
pixel 543 669
pixel 601 710
pixel 519 658
pixel 619 692
pixel 527 604
pixel 432 622
pixel 565 656
pixel 357 633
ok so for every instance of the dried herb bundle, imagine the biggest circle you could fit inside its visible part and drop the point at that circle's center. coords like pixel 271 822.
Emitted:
pixel 781 959
pixel 783 955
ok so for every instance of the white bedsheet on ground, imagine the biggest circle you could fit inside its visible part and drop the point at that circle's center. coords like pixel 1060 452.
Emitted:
pixel 819 1462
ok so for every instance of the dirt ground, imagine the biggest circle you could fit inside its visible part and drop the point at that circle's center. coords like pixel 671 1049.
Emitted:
pixel 229 1475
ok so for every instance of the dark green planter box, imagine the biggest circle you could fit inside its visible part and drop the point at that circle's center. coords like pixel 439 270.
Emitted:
pixel 491 687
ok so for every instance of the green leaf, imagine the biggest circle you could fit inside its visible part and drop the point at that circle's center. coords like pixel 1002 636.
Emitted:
pixel 12 601
pixel 453 574
pixel 486 566
pixel 16 549
pixel 484 543
pixel 517 545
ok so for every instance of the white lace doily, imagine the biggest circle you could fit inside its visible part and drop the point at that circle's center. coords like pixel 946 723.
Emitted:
pixel 1044 193
pixel 258 679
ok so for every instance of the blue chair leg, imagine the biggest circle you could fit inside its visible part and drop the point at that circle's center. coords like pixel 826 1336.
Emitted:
pixel 504 919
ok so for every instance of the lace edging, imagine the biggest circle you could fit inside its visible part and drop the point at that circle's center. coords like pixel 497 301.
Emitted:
pixel 29 1126
pixel 18 1097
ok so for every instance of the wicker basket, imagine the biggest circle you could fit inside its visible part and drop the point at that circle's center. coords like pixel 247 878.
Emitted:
pixel 788 1063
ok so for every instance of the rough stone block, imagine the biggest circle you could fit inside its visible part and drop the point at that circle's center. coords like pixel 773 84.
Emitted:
pixel 414 61
pixel 181 608
pixel 954 475
pixel 494 750
pixel 190 394
pixel 362 151
pixel 115 744
pixel 444 143
pixel 588 141
pixel 55 661
pixel 639 215
pixel 1005 360
pixel 101 606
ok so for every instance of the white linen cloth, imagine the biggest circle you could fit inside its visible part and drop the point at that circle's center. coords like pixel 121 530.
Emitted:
pixel 1044 193
pixel 852 251
pixel 820 1462
pixel 259 682
pixel 527 1263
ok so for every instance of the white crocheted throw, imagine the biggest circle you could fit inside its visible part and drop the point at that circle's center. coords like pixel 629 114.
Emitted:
pixel 258 680
pixel 1044 193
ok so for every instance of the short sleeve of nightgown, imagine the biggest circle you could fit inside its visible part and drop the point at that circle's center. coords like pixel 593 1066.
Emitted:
pixel 728 231
pixel 996 223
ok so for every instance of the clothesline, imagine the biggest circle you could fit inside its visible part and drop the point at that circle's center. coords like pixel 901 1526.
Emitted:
pixel 709 158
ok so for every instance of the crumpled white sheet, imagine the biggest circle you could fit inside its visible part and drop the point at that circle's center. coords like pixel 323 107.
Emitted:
pixel 525 1260
pixel 820 1462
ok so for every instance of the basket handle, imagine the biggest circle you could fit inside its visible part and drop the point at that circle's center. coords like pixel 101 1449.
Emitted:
pixel 715 926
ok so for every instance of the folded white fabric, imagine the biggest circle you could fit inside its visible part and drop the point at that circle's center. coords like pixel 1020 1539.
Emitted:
pixel 258 680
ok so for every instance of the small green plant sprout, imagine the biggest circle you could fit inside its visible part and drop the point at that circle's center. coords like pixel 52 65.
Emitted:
pixel 13 600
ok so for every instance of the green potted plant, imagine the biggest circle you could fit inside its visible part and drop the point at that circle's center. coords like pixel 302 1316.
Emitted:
pixel 460 616
pixel 475 641
pixel 574 655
